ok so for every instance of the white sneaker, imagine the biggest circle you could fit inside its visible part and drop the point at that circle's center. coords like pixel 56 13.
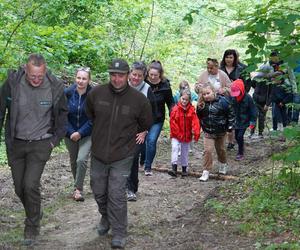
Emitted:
pixel 131 196
pixel 280 126
pixel 148 173
pixel 223 168
pixel 205 176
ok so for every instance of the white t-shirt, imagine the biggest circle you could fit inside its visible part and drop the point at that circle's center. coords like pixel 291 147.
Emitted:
pixel 215 81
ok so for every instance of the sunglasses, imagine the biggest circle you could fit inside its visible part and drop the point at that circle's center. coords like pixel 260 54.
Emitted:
pixel 212 59
pixel 86 69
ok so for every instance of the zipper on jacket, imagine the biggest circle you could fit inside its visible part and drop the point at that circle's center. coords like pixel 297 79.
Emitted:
pixel 209 116
pixel 184 124
pixel 113 113
pixel 78 112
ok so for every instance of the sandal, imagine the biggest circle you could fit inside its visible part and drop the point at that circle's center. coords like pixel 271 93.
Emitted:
pixel 77 195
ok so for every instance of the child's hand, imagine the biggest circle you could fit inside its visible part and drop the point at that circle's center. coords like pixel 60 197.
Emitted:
pixel 252 126
pixel 201 105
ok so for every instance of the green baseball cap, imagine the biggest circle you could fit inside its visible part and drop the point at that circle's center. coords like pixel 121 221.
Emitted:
pixel 118 66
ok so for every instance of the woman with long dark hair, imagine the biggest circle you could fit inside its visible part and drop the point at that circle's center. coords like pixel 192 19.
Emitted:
pixel 163 95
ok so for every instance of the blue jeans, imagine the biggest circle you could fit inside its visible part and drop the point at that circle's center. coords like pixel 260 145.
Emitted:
pixel 239 137
pixel 143 154
pixel 151 141
pixel 133 178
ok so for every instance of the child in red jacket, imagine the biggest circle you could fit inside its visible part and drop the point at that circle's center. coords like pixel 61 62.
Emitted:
pixel 184 123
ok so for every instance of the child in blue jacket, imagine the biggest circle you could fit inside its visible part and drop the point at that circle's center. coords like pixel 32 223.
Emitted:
pixel 245 114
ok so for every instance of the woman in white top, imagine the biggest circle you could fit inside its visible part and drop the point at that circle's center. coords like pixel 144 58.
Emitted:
pixel 221 83
pixel 216 77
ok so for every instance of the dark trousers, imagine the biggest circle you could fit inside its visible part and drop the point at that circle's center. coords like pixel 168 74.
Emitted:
pixel 133 179
pixel 27 161
pixel 279 114
pixel 261 117
pixel 239 137
pixel 143 154
pixel 108 182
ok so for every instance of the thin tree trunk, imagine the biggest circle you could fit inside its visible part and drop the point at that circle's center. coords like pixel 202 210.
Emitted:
pixel 133 42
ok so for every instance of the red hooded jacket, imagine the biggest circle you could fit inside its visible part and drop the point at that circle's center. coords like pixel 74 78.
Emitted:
pixel 184 123
pixel 239 84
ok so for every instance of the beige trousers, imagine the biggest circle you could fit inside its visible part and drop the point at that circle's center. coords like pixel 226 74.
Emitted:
pixel 211 142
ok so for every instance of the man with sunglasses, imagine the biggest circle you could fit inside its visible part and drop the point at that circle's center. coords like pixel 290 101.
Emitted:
pixel 33 106
pixel 117 112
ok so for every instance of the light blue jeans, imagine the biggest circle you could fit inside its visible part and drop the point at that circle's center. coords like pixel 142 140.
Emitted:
pixel 79 152
pixel 151 141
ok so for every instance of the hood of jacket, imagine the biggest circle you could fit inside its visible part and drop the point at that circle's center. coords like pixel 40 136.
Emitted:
pixel 239 84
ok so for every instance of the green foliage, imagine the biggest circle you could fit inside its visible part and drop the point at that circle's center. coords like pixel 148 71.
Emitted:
pixel 282 246
pixel 14 233
pixel 216 205
pixel 270 25
pixel 3 158
pixel 61 148
pixel 267 211
pixel 68 33
pixel 92 32
pixel 261 210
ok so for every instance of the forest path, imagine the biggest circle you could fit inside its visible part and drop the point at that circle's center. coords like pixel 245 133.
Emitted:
pixel 169 213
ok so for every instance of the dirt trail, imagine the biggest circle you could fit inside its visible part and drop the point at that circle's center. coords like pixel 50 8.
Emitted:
pixel 169 213
pixel 161 202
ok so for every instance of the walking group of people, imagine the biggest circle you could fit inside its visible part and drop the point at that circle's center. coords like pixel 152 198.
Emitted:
pixel 119 123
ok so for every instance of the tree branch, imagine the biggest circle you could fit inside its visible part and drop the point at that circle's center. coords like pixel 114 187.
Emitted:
pixel 148 32
pixel 18 25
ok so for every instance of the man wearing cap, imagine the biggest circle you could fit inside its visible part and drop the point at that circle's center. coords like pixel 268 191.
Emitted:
pixel 275 84
pixel 117 111
pixel 35 123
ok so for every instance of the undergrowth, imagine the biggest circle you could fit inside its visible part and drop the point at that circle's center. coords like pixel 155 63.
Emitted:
pixel 265 207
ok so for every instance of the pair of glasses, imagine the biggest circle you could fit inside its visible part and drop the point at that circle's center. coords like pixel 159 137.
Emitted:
pixel 212 60
pixel 35 77
pixel 86 69
pixel 184 87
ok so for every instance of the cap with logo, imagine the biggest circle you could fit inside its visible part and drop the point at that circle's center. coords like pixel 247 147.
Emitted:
pixel 118 66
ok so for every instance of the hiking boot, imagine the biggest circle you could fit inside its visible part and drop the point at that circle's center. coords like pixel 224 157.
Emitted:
pixel 184 172
pixel 239 157
pixel 131 196
pixel 205 176
pixel 223 168
pixel 118 242
pixel 103 226
pixel 30 235
pixel 148 173
pixel 230 146
pixel 173 171
pixel 260 135
pixel 251 136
